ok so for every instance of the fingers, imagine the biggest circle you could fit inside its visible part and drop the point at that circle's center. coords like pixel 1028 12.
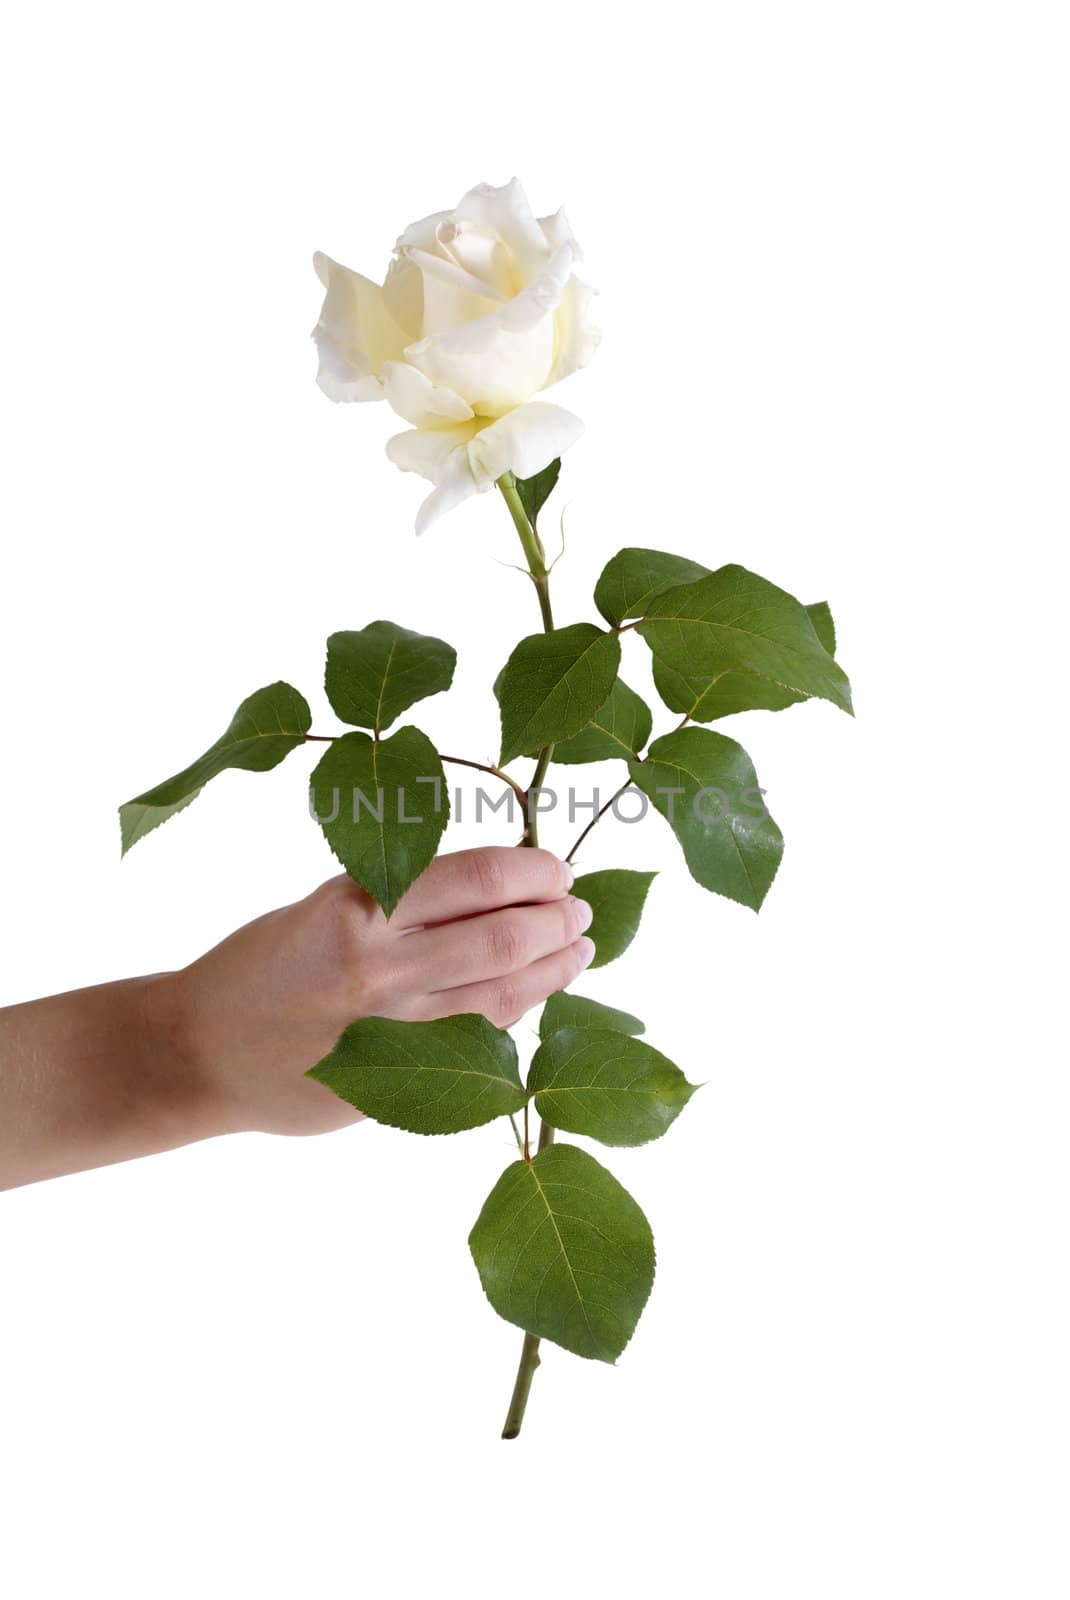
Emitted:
pixel 470 881
pixel 493 945
pixel 504 1001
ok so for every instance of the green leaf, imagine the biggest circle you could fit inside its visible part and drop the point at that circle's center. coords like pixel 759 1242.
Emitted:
pixel 707 696
pixel 635 577
pixel 604 1085
pixel 383 806
pixel 734 620
pixel 620 728
pixel 565 1010
pixel 264 729
pixel 534 492
pixel 705 786
pixel 552 685
pixel 564 1252
pixel 377 673
pixel 824 627
pixel 616 897
pixel 425 1077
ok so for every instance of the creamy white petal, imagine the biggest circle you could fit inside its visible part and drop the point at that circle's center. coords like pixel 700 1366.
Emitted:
pixel 481 254
pixel 457 487
pixel 451 296
pixel 469 458
pixel 558 231
pixel 577 336
pixel 421 235
pixel 507 213
pixel 419 401
pixel 355 333
pixel 403 295
pixel 428 451
pixel 443 458
pixel 499 361
pixel 523 442
pixel 340 377
pixel 497 374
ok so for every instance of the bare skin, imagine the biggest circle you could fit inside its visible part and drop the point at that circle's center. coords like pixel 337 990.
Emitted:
pixel 132 1068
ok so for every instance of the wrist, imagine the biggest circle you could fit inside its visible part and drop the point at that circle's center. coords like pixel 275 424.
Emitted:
pixel 186 1102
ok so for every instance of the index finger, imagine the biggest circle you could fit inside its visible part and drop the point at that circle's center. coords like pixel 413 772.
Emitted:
pixel 470 881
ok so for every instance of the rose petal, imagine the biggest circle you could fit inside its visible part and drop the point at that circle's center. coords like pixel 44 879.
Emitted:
pixel 355 333
pixel 558 231
pixel 469 458
pixel 419 401
pixel 441 456
pixel 523 442
pixel 482 255
pixel 498 362
pixel 457 486
pixel 403 294
pixel 577 336
pixel 427 451
pixel 451 296
pixel 421 235
pixel 507 213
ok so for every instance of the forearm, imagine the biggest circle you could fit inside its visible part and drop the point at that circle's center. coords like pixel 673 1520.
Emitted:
pixel 96 1076
pixel 224 1046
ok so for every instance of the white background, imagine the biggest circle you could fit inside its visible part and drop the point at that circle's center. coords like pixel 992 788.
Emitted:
pixel 832 247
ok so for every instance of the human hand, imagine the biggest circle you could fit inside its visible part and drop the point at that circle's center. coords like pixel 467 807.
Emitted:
pixel 493 931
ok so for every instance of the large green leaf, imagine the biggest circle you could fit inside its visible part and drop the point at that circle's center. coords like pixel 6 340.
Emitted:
pixel 565 1010
pixel 564 1252
pixel 616 896
pixel 735 621
pixel 635 577
pixel 375 674
pixel 704 697
pixel 705 786
pixel 425 1077
pixel 534 492
pixel 264 729
pixel 621 727
pixel 607 1086
pixel 824 627
pixel 552 685
pixel 383 805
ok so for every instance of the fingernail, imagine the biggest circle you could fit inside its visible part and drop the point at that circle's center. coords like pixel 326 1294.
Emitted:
pixel 585 951
pixel 584 913
pixel 570 876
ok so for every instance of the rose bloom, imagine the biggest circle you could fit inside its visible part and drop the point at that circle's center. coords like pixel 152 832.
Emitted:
pixel 480 310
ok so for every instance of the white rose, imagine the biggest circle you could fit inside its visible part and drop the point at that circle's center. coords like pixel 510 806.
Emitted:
pixel 480 311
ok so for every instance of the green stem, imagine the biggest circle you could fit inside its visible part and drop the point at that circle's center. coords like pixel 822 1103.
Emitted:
pixel 540 577
pixel 539 574
pixel 531 826
pixel 529 1360
pixel 529 1353
pixel 495 772
pixel 533 550
pixel 597 819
